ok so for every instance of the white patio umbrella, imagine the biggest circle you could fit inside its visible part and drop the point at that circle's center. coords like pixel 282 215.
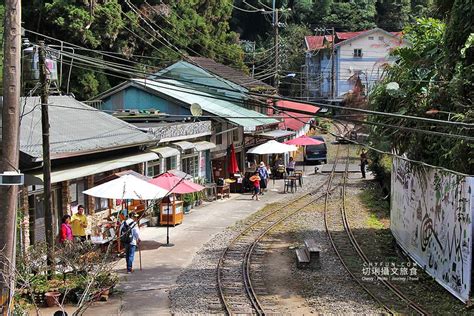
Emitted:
pixel 272 147
pixel 127 187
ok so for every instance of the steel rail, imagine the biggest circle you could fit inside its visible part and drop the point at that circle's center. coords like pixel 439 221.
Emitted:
pixel 249 250
pixel 332 242
pixel 364 257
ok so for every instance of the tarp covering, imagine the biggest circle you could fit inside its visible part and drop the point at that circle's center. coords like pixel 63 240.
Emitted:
pixel 431 219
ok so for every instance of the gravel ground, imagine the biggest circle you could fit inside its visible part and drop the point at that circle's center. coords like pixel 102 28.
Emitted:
pixel 330 289
pixel 327 290
pixel 199 280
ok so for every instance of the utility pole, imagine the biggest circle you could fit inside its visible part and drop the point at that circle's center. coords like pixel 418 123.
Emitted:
pixel 10 146
pixel 47 199
pixel 277 50
pixel 333 67
pixel 253 60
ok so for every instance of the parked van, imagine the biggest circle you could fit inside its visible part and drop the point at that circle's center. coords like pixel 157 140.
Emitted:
pixel 316 153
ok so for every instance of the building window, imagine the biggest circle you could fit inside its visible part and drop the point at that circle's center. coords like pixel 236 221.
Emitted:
pixel 371 38
pixel 75 193
pixel 219 134
pixel 101 204
pixel 358 52
pixel 171 163
pixel 381 38
pixel 235 135
pixel 190 165
pixel 153 168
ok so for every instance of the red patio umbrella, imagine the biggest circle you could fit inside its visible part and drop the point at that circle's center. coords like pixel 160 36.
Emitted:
pixel 170 182
pixel 233 167
pixel 304 141
pixel 176 185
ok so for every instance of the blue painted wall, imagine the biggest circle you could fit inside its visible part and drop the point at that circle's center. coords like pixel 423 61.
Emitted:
pixel 133 98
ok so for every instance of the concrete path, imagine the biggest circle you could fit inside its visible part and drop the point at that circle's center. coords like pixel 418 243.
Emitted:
pixel 146 292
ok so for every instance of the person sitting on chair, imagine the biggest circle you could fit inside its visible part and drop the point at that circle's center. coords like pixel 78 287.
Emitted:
pixel 290 166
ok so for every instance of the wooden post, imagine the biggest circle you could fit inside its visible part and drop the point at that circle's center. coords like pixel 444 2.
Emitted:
pixel 10 145
pixel 47 196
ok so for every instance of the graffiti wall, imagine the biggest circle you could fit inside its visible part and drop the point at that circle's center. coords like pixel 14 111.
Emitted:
pixel 431 219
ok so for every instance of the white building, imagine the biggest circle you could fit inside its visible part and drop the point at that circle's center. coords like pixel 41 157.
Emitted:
pixel 359 61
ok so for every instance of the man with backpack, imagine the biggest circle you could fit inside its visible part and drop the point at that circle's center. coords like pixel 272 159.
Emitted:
pixel 130 238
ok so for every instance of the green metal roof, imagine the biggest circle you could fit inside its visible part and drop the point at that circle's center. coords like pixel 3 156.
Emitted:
pixel 210 103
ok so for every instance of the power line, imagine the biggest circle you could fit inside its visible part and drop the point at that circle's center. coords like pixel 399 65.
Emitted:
pixel 190 90
pixel 319 104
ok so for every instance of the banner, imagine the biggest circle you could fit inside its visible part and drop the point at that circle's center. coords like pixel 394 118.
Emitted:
pixel 431 219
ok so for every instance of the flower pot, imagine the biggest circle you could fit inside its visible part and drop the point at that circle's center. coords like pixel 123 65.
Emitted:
pixel 187 209
pixel 52 298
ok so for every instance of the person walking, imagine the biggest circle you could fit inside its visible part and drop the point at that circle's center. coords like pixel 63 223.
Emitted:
pixel 65 234
pixel 130 237
pixel 363 162
pixel 290 166
pixel 79 224
pixel 263 174
pixel 256 184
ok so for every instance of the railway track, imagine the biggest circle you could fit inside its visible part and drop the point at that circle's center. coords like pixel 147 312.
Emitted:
pixel 353 258
pixel 237 290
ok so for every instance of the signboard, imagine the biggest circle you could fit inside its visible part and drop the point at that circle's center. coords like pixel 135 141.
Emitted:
pixel 431 219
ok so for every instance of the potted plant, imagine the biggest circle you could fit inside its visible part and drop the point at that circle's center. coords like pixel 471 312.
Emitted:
pixel 198 197
pixel 52 298
pixel 188 200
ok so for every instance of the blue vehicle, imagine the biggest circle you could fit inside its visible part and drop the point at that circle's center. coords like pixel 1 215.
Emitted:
pixel 316 153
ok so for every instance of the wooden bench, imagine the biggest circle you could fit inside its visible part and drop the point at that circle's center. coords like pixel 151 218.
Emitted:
pixel 308 255
pixel 303 258
pixel 314 252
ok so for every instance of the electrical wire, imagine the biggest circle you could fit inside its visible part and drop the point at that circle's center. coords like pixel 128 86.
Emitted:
pixel 361 122
pixel 345 108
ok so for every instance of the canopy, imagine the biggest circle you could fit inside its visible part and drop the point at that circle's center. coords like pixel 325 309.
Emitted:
pixel 304 141
pixel 271 147
pixel 127 187
pixel 175 184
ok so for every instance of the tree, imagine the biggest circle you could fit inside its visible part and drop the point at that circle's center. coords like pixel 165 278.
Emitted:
pixel 160 31
pixel 426 83
pixel 292 40
pixel 393 15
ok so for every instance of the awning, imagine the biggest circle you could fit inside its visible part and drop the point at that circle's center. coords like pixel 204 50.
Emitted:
pixel 275 134
pixel 204 145
pixel 293 120
pixel 165 152
pixel 184 145
pixel 94 167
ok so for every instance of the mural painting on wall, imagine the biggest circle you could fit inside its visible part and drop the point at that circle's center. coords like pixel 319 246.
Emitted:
pixel 431 219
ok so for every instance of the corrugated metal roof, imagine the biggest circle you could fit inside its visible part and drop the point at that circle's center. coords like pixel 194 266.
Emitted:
pixel 208 102
pixel 231 74
pixel 293 120
pixel 75 129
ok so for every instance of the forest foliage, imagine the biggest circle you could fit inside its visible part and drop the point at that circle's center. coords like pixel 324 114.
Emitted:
pixel 435 75
pixel 160 32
